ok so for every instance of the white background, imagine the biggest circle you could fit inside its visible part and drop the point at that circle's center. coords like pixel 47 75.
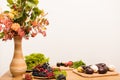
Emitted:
pixel 79 29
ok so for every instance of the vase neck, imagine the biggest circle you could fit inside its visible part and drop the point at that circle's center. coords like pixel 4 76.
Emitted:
pixel 16 38
pixel 18 47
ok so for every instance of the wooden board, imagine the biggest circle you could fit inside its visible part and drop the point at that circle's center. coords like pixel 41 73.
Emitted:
pixel 95 74
pixel 63 68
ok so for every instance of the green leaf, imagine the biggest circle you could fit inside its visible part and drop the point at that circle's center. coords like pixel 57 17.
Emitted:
pixel 36 12
pixel 19 1
pixel 10 1
pixel 6 11
pixel 34 59
pixel 32 16
pixel 34 1
pixel 30 4
pixel 1 35
pixel 10 6
pixel 76 64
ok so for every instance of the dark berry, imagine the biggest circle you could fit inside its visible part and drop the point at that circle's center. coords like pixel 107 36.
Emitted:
pixel 49 69
pixel 45 65
pixel 42 74
pixel 35 73
pixel 34 70
pixel 62 64
pixel 61 77
pixel 58 64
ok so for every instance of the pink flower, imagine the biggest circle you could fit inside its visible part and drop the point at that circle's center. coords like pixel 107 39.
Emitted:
pixel 44 33
pixel 0 27
pixel 21 32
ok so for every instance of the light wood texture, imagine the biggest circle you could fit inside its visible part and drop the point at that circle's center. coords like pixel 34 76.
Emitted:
pixel 94 75
pixel 63 68
pixel 70 76
pixel 18 66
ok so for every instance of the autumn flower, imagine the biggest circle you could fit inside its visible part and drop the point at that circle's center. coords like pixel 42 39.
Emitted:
pixel 24 19
pixel 15 26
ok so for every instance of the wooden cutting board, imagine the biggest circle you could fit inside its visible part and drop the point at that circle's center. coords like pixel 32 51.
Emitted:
pixel 63 68
pixel 95 74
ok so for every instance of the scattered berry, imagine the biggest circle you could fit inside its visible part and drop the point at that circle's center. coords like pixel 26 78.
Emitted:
pixel 28 77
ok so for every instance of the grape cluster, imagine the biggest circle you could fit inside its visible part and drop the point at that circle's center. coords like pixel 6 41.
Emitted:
pixel 43 71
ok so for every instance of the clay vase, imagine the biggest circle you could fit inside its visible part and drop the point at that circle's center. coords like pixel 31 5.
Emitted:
pixel 18 66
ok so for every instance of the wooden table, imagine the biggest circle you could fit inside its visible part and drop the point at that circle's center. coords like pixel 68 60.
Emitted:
pixel 70 76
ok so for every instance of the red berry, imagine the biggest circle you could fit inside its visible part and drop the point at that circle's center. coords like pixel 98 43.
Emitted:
pixel 65 64
pixel 28 77
pixel 70 63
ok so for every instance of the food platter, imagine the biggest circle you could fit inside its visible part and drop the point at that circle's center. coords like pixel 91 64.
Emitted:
pixel 37 77
pixel 95 74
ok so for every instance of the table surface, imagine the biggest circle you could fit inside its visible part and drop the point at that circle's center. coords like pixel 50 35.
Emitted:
pixel 70 76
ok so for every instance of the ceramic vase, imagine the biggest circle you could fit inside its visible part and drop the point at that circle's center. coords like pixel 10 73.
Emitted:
pixel 18 66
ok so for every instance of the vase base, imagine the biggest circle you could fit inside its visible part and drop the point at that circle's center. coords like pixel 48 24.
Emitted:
pixel 20 77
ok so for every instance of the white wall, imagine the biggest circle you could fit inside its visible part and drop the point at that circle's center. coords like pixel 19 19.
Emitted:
pixel 79 29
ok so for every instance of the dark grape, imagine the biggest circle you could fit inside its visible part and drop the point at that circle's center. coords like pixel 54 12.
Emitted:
pixel 49 69
pixel 42 74
pixel 45 65
pixel 43 71
pixel 61 77
pixel 35 74
pixel 35 70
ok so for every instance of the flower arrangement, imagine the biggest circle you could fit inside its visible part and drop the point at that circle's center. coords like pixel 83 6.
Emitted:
pixel 24 19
